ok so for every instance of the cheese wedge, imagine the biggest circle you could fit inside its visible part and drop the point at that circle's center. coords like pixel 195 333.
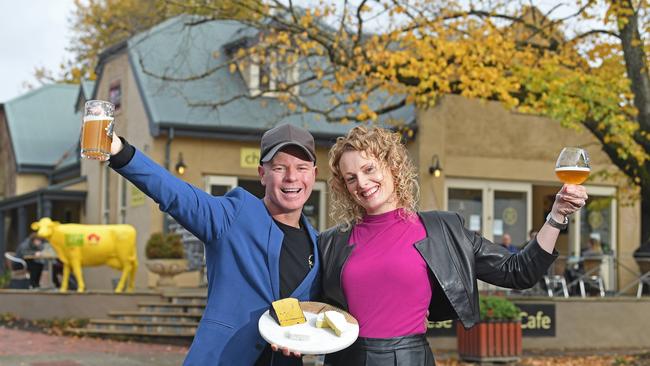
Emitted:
pixel 336 321
pixel 320 321
pixel 287 312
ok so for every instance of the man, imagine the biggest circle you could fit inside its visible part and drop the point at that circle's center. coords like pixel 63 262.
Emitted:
pixel 32 247
pixel 507 243
pixel 257 251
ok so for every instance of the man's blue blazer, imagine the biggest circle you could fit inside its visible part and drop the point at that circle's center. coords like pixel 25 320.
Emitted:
pixel 242 250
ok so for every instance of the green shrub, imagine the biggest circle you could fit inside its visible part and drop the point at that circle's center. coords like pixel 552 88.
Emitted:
pixel 5 278
pixel 498 308
pixel 164 246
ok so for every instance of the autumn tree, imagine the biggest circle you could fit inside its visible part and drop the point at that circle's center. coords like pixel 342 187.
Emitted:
pixel 584 65
pixel 99 24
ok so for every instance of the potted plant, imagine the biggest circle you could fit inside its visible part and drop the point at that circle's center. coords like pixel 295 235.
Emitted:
pixel 496 338
pixel 165 257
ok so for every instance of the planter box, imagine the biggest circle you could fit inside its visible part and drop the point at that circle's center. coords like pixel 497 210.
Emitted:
pixel 490 341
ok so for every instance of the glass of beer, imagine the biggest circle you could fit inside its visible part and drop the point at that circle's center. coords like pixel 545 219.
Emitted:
pixel 97 130
pixel 572 165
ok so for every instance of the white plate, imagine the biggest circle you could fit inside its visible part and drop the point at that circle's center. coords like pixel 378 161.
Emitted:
pixel 321 340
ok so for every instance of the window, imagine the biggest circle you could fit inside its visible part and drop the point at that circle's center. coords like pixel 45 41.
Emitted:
pixel 106 196
pixel 122 202
pixel 273 77
pixel 115 94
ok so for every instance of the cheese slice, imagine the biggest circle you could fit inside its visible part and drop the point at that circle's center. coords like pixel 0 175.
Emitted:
pixel 336 321
pixel 320 321
pixel 287 312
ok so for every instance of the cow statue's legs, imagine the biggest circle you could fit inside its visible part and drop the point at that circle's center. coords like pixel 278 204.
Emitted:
pixel 134 269
pixel 76 269
pixel 66 277
pixel 126 273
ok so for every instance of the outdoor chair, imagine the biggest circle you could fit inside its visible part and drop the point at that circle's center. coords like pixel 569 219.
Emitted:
pixel 644 278
pixel 555 278
pixel 591 275
pixel 19 272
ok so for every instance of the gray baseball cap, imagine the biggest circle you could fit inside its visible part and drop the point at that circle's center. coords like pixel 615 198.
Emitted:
pixel 284 135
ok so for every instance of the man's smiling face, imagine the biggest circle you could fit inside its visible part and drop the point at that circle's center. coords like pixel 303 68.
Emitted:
pixel 288 180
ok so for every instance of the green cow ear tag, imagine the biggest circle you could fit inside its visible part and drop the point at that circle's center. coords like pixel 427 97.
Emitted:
pixel 74 240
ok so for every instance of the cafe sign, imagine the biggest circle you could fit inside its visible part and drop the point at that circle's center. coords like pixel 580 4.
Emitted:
pixel 249 158
pixel 537 320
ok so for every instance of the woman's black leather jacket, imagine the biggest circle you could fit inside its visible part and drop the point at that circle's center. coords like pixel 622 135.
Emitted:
pixel 456 257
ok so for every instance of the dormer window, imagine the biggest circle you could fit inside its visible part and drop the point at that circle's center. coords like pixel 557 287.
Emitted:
pixel 272 77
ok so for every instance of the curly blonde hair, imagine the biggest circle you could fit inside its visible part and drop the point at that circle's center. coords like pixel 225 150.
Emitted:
pixel 387 148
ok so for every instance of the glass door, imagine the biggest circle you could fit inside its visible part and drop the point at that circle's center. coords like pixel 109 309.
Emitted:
pixel 492 208
pixel 597 234
pixel 510 217
pixel 469 204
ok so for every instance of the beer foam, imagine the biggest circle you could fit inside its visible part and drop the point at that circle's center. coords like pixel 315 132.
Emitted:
pixel 573 169
pixel 97 118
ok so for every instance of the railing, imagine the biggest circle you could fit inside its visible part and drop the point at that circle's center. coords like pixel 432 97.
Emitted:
pixel 578 270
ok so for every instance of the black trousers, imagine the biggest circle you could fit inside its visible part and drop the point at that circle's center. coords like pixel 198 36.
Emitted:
pixel 35 270
pixel 410 350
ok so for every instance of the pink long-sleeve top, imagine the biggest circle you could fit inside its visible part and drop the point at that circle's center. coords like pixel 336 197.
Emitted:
pixel 385 280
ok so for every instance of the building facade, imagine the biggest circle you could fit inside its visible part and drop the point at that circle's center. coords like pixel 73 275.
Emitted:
pixel 497 166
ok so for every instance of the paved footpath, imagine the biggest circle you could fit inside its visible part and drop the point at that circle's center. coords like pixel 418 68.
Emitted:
pixel 24 348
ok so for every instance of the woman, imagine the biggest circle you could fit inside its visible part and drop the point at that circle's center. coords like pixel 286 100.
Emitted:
pixel 390 266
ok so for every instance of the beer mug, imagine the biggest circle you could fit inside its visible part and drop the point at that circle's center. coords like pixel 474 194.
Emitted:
pixel 572 165
pixel 97 130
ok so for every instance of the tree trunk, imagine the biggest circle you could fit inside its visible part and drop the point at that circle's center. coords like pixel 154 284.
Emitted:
pixel 637 71
pixel 645 213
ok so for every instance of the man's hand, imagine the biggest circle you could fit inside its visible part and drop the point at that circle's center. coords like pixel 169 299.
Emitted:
pixel 285 351
pixel 116 145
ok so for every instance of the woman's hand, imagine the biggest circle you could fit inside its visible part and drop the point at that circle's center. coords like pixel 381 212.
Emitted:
pixel 569 199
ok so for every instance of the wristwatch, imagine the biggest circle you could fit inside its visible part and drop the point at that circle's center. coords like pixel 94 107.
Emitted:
pixel 557 225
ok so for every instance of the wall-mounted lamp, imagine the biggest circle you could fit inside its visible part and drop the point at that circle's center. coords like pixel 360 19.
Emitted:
pixel 180 165
pixel 435 169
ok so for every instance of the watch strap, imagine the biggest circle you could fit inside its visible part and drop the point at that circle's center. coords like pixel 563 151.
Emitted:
pixel 557 225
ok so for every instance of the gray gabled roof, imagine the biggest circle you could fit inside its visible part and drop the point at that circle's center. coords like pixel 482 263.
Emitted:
pixel 176 50
pixel 43 125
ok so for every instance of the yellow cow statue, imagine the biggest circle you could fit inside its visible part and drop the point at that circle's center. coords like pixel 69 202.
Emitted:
pixel 79 245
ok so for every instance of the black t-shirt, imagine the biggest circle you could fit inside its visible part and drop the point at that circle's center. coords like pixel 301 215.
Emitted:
pixel 296 258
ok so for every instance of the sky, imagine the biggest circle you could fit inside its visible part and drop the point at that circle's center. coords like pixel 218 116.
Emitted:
pixel 33 33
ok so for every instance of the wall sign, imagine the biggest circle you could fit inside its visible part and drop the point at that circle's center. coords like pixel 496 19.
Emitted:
pixel 537 320
pixel 249 158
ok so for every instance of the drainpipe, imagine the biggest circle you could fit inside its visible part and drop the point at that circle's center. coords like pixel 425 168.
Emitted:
pixel 168 147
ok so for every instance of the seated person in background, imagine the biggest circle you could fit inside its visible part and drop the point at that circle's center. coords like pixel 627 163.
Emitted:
pixel 594 248
pixel 32 246
pixel 57 276
pixel 507 243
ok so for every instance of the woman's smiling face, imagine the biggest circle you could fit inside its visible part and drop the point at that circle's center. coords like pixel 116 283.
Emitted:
pixel 370 183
